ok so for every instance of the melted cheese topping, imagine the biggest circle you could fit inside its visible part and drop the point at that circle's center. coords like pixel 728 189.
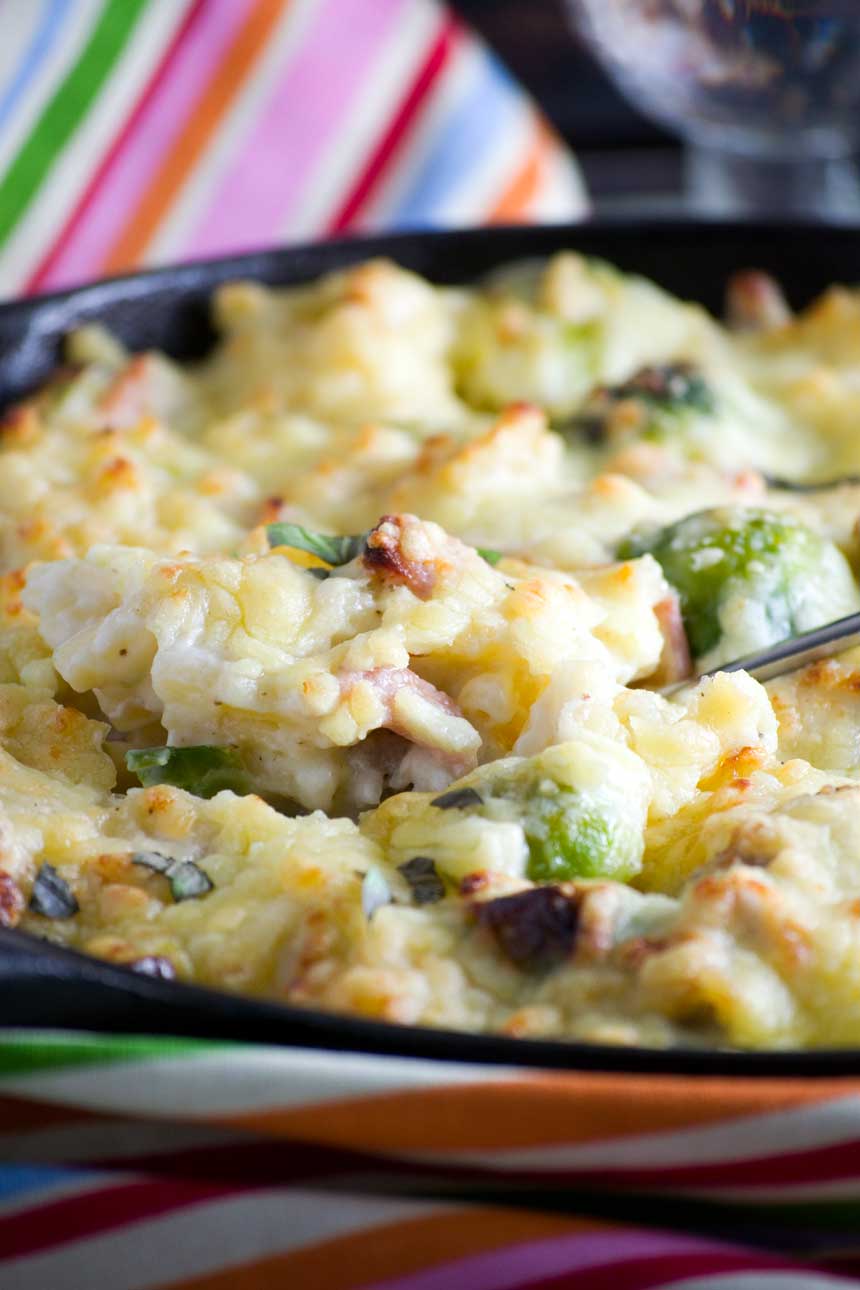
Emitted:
pixel 425 774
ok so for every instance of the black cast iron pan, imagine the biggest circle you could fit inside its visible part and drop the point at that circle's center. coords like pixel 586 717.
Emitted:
pixel 41 985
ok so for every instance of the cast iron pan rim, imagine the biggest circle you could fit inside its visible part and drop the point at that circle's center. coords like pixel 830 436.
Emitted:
pixel 137 1003
pixel 192 1011
pixel 357 247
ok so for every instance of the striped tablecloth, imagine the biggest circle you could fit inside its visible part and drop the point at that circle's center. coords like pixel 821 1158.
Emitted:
pixel 140 131
pixel 135 132
pixel 131 1164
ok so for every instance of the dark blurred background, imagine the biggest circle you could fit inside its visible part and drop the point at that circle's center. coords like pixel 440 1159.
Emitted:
pixel 620 152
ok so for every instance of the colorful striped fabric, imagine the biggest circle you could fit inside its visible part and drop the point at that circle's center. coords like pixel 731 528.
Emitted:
pixel 135 132
pixel 138 1163
pixel 141 131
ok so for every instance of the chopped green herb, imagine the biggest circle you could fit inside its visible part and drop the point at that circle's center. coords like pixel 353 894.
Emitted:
pixel 375 892
pixel 52 897
pixel 187 880
pixel 325 546
pixel 457 799
pixel 420 873
pixel 153 860
pixel 488 554
pixel 202 770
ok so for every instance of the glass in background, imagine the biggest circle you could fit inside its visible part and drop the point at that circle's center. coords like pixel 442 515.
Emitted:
pixel 766 94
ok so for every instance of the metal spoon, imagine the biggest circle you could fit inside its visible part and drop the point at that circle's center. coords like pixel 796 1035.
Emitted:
pixel 788 655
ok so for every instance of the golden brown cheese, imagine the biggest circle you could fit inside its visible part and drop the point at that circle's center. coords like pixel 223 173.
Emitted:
pixel 420 637
pixel 437 671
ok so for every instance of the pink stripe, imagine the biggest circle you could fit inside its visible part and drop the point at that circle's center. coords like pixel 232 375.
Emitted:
pixel 513 1265
pixel 313 96
pixel 165 115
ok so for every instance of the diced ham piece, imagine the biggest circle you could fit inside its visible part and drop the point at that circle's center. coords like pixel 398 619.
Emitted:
pixel 128 397
pixel 675 661
pixel 11 901
pixel 421 714
pixel 385 555
pixel 755 302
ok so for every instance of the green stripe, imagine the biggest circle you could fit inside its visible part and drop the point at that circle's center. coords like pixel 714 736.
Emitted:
pixel 22 1054
pixel 63 114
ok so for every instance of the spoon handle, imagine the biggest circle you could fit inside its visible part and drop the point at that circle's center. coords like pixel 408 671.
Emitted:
pixel 791 654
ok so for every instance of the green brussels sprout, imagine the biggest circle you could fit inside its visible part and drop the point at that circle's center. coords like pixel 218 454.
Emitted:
pixel 573 834
pixel 534 332
pixel 202 769
pixel 541 360
pixel 747 578
pixel 581 806
pixel 656 401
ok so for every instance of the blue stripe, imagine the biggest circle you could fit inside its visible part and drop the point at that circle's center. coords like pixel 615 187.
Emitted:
pixel 44 39
pixel 17 1180
pixel 490 105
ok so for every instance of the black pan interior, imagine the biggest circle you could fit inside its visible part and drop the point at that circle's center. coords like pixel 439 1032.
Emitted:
pixel 168 309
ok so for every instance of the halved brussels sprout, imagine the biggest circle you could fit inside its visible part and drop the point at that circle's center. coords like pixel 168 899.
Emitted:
pixel 747 578
pixel 571 834
pixel 580 807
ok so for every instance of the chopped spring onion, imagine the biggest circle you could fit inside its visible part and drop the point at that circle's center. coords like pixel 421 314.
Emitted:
pixel 153 860
pixel 488 554
pixel 457 799
pixel 420 873
pixel 187 880
pixel 52 897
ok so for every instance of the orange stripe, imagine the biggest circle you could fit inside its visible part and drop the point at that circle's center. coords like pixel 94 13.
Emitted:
pixel 515 199
pixel 224 85
pixel 529 1111
pixel 396 1249
pixel 534 1111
